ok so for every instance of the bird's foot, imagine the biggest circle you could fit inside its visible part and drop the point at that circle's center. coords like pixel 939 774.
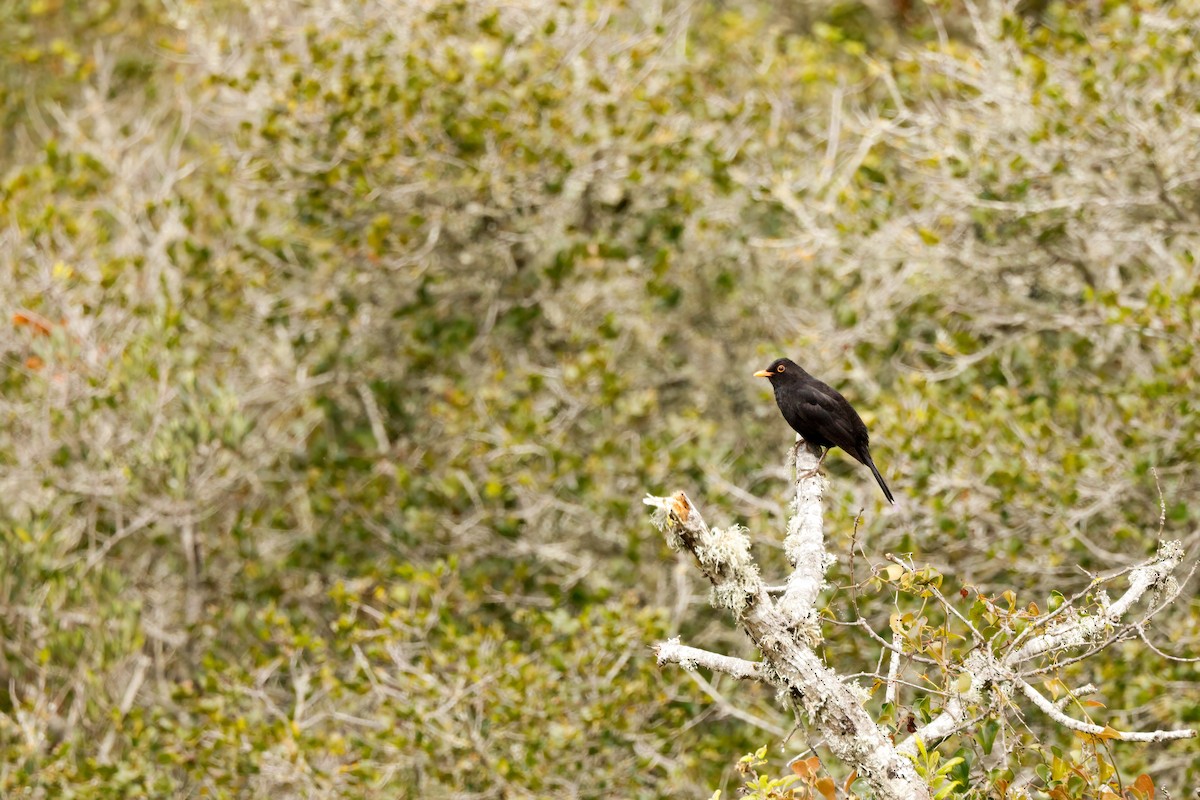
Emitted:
pixel 811 472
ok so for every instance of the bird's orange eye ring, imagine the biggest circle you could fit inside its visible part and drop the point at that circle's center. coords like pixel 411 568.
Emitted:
pixel 780 368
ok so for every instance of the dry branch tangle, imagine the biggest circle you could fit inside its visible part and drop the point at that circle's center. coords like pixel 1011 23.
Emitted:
pixel 786 631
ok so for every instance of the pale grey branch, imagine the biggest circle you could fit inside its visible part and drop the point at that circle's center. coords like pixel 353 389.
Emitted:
pixel 672 652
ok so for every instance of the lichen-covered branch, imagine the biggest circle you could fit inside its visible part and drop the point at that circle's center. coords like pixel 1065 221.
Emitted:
pixel 786 631
pixel 1056 714
pixel 1001 672
pixel 804 546
pixel 1155 573
pixel 672 652
pixel 833 708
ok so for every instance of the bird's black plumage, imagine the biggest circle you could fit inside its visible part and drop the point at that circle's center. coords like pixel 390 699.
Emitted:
pixel 820 414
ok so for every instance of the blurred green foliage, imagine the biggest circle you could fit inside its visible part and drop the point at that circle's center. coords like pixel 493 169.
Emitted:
pixel 341 341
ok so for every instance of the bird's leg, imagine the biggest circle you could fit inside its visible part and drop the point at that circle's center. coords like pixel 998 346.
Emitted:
pixel 817 468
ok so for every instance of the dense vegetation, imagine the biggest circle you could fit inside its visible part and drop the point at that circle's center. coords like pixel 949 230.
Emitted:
pixel 342 340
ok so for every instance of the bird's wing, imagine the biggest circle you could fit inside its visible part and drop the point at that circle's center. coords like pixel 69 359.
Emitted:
pixel 816 413
pixel 855 428
pixel 834 417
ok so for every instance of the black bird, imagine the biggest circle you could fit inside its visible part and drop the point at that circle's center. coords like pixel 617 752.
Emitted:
pixel 820 414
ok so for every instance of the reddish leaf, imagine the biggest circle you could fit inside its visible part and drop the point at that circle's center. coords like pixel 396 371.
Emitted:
pixel 850 780
pixel 806 768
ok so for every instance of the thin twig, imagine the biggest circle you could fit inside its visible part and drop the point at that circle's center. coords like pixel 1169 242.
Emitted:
pixel 1052 711
pixel 1142 633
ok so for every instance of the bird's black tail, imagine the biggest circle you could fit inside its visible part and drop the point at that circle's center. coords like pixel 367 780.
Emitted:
pixel 886 491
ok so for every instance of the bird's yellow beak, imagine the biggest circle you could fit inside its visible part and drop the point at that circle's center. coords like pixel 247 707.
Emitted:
pixel 762 373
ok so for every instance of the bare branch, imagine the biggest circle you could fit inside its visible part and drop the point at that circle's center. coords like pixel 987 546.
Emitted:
pixel 885 644
pixel 1052 711
pixel 672 652
pixel 893 674
pixel 1082 691
pixel 1141 630
pixel 1085 631
pixel 1097 631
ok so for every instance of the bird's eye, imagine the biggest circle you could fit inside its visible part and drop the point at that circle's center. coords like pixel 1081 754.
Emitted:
pixel 779 368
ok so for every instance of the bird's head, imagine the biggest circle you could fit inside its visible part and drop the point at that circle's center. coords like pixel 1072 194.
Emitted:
pixel 781 369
